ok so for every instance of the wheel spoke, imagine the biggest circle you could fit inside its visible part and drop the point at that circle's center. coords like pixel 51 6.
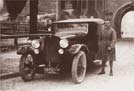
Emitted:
pixel 79 67
pixel 27 67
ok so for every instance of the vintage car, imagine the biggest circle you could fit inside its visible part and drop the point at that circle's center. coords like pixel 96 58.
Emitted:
pixel 68 46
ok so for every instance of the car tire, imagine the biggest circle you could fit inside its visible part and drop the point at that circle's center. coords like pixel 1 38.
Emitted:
pixel 27 67
pixel 79 66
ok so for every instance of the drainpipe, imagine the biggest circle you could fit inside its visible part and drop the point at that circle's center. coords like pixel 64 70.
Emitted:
pixel 58 9
pixel 33 16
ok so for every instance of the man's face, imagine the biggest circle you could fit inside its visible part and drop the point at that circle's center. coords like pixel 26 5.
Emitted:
pixel 107 24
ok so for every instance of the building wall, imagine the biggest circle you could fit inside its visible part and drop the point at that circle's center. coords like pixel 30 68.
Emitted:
pixel 45 6
pixel 111 7
pixel 48 6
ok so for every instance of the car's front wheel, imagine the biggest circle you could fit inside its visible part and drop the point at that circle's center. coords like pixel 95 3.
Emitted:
pixel 27 67
pixel 79 67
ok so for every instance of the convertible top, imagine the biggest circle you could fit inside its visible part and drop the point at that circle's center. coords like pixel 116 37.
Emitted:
pixel 83 20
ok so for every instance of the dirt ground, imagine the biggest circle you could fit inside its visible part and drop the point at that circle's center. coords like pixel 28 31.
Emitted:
pixel 9 62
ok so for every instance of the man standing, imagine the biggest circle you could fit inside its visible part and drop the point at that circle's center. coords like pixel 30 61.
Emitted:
pixel 107 47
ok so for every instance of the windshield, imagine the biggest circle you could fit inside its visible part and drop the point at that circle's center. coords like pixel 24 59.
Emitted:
pixel 69 27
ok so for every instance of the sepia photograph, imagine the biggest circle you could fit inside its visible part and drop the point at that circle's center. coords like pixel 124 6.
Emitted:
pixel 66 45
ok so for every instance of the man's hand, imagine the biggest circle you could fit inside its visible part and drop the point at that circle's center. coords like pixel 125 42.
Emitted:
pixel 109 48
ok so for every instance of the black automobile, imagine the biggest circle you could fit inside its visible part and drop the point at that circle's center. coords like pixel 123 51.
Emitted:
pixel 68 46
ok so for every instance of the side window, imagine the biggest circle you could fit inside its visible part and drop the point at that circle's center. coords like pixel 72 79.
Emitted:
pixel 92 30
pixel 99 30
pixel 92 36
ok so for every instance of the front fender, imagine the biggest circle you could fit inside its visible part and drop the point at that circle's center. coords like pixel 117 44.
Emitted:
pixel 76 48
pixel 24 50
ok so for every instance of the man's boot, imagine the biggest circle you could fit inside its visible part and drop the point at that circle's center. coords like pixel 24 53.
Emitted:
pixel 111 73
pixel 102 72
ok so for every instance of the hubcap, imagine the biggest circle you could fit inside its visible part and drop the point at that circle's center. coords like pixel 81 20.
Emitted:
pixel 28 65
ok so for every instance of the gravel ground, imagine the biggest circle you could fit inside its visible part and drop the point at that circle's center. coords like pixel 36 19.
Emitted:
pixel 9 62
pixel 122 80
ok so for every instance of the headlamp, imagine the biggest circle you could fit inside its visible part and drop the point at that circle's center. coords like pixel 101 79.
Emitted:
pixel 64 43
pixel 61 51
pixel 49 29
pixel 36 51
pixel 35 43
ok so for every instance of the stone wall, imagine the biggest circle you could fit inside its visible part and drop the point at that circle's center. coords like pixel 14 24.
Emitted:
pixel 48 6
pixel 45 6
pixel 111 6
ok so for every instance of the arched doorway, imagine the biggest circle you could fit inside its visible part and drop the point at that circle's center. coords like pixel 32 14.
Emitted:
pixel 127 25
pixel 119 14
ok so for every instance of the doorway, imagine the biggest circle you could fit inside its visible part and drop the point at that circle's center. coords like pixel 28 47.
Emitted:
pixel 127 25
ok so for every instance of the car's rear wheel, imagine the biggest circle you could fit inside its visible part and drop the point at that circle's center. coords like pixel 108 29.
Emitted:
pixel 27 67
pixel 79 67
